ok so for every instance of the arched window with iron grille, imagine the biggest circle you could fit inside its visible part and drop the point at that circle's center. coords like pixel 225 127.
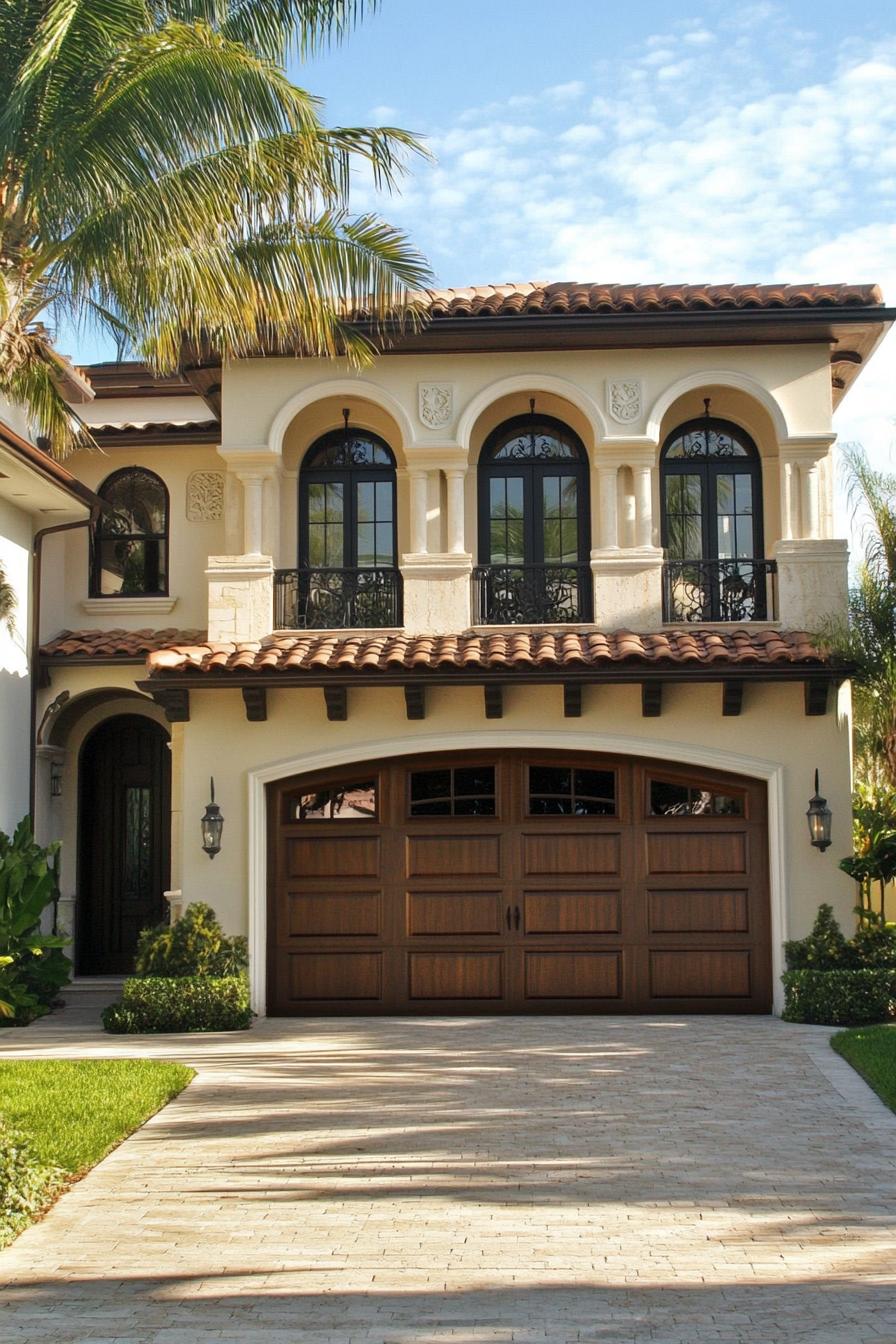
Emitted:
pixel 130 539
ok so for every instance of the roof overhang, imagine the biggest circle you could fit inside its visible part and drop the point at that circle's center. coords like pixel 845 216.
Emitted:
pixel 34 482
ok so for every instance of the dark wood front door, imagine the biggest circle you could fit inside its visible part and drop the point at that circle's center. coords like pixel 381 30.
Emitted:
pixel 518 882
pixel 125 828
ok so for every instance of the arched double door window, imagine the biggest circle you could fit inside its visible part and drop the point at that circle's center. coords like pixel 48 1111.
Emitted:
pixel 347 572
pixel 534 534
pixel 712 524
pixel 130 540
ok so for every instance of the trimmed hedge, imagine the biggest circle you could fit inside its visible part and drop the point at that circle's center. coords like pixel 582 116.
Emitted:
pixel 26 1183
pixel 181 1003
pixel 839 998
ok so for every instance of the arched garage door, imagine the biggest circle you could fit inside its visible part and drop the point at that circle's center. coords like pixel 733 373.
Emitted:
pixel 518 882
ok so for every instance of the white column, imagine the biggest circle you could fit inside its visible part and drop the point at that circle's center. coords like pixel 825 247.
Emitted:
pixel 270 525
pixel 809 480
pixel 252 511
pixel 419 491
pixel 609 520
pixel 787 501
pixel 455 508
pixel 643 506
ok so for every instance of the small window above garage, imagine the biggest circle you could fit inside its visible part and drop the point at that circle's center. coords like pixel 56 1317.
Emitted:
pixel 457 791
pixel 563 791
pixel 343 801
pixel 675 798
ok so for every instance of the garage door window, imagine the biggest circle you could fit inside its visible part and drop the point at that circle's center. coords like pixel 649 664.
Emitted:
pixel 462 791
pixel 334 802
pixel 668 799
pixel 559 791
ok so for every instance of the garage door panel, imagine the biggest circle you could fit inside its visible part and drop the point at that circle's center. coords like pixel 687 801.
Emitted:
pixel 572 912
pixel 704 974
pixel 332 856
pixel 697 852
pixel 699 911
pixel 573 975
pixel 455 975
pixel 334 914
pixel 444 913
pixel 332 976
pixel 570 852
pixel 457 855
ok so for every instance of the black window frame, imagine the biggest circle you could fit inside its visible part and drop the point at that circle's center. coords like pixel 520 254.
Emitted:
pixel 452 796
pixel 709 467
pixel 99 537
pixel 349 476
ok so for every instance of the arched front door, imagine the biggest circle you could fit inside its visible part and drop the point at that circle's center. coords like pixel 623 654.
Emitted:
pixel 125 841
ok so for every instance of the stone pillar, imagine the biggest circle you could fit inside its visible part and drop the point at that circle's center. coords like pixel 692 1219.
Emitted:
pixel 252 511
pixel 812 583
pixel 270 514
pixel 240 596
pixel 455 477
pixel 643 506
pixel 609 519
pixel 787 520
pixel 419 504
pixel 810 500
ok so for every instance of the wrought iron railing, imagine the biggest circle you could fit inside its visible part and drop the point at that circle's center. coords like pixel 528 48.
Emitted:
pixel 337 599
pixel 531 594
pixel 720 590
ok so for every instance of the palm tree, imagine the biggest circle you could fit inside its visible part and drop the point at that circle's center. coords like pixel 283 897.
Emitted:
pixel 869 642
pixel 162 178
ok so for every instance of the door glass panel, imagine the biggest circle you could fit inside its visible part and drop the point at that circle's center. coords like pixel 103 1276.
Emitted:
pixel 465 791
pixel 325 524
pixel 684 517
pixel 558 791
pixel 335 802
pixel 560 527
pixel 374 529
pixel 506 520
pixel 137 842
pixel 682 800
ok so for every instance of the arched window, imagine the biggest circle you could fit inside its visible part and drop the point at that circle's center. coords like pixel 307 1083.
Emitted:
pixel 130 549
pixel 347 533
pixel 712 523
pixel 534 534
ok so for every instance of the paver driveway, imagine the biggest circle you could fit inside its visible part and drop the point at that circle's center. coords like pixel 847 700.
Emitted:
pixel 556 1179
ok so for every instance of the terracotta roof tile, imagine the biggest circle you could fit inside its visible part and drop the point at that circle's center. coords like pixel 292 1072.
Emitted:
pixel 517 649
pixel 571 297
pixel 133 644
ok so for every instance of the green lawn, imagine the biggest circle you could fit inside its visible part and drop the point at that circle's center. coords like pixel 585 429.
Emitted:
pixel 73 1112
pixel 872 1053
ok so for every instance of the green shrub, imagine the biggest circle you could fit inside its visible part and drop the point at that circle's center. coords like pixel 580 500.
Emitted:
pixel 195 945
pixel 825 948
pixel 874 941
pixel 181 1003
pixel 25 1183
pixel 33 967
pixel 841 998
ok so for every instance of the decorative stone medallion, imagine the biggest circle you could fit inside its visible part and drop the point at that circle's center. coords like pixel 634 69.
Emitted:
pixel 205 496
pixel 624 400
pixel 435 404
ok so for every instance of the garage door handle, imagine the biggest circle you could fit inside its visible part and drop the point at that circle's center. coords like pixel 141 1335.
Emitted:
pixel 516 916
pixel 508 916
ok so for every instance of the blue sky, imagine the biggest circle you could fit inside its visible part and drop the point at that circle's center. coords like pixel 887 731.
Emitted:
pixel 694 140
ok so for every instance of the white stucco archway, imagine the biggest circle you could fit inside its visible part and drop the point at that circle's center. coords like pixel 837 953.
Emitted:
pixel 531 383
pixel 338 387
pixel 687 753
pixel 694 382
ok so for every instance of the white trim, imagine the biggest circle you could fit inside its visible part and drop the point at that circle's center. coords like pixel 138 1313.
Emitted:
pixel 532 383
pixel 129 606
pixel 357 388
pixel 502 738
pixel 695 382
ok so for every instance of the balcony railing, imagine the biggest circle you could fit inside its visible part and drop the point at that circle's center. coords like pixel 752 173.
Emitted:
pixel 720 590
pixel 531 594
pixel 337 599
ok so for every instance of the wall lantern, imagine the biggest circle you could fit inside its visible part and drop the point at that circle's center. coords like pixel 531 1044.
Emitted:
pixel 56 780
pixel 819 819
pixel 212 825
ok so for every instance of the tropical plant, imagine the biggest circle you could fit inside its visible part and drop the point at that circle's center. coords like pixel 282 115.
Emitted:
pixel 868 642
pixel 33 967
pixel 8 602
pixel 195 945
pixel 873 860
pixel 163 180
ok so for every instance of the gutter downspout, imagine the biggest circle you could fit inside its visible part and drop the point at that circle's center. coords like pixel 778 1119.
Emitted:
pixel 36 558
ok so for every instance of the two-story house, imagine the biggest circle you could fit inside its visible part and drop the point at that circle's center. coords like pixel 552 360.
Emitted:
pixel 500 653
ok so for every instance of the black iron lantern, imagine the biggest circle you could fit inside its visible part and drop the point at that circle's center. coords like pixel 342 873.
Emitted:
pixel 212 825
pixel 819 819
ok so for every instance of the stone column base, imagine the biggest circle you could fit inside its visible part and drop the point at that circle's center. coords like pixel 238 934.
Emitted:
pixel 437 593
pixel 812 583
pixel 240 598
pixel 628 588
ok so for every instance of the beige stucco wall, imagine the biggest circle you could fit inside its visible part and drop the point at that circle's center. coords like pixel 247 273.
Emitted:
pixel 16 530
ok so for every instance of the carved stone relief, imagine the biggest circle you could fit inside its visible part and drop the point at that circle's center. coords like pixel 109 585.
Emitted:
pixel 435 404
pixel 205 496
pixel 624 400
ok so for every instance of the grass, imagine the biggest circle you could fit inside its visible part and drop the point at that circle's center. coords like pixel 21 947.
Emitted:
pixel 872 1053
pixel 73 1112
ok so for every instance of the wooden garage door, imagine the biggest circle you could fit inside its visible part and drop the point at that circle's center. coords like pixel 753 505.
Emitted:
pixel 518 882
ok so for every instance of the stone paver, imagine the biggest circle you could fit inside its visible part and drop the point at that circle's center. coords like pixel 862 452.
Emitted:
pixel 677 1181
